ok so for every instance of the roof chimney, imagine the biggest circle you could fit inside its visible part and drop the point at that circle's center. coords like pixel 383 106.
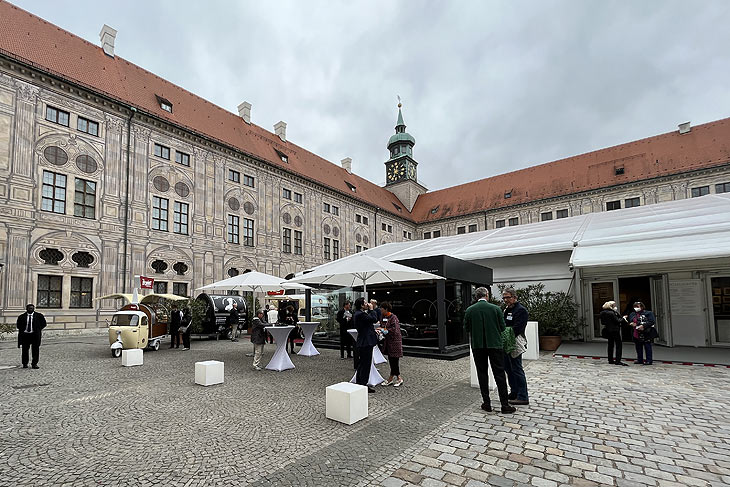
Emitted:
pixel 347 164
pixel 280 130
pixel 684 128
pixel 107 36
pixel 244 111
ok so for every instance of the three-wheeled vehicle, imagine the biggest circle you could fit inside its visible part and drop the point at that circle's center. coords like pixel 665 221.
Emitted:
pixel 141 323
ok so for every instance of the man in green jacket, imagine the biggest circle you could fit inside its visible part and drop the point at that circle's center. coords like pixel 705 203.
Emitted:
pixel 485 323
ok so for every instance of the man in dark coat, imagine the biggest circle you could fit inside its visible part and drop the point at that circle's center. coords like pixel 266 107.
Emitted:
pixel 344 319
pixel 258 338
pixel 232 321
pixel 516 316
pixel 29 326
pixel 364 320
pixel 175 323
pixel 485 322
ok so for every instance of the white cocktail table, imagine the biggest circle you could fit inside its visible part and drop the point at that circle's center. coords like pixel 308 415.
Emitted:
pixel 375 378
pixel 308 328
pixel 280 361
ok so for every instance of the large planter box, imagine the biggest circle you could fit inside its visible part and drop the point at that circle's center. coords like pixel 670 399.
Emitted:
pixel 550 343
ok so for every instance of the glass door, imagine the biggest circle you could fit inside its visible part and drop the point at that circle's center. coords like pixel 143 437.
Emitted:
pixel 600 292
pixel 659 302
pixel 720 317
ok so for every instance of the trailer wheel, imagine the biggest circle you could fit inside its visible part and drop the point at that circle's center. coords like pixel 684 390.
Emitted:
pixel 116 352
pixel 156 345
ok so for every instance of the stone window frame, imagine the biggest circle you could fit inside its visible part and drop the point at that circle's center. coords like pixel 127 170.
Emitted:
pixel 546 216
pixel 78 294
pixel 52 288
pixel 249 181
pixel 176 288
pixel 500 223
pixel 55 188
pixel 514 221
pixel 286 193
pixel 58 116
pixel 298 198
pixel 613 205
pixel 326 207
pixel 473 227
pixel 632 202
pixel 84 209
pixel 326 249
pixel 286 240
pixel 248 232
pixel 358 249
pixel 335 249
pixel 461 230
pixel 233 229
pixel 722 188
pixel 160 213
pixel 562 213
pixel 181 218
pixel 436 233
pixel 161 151
pixel 234 176
pixel 335 210
pixel 426 235
pixel 160 287
pixel 87 126
pixel 700 191
pixel 298 242
pixel 182 158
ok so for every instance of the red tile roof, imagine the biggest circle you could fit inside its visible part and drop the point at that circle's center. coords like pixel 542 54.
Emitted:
pixel 704 146
pixel 30 39
pixel 34 41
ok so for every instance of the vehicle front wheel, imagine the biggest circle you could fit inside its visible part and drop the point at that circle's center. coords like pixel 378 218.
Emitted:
pixel 116 352
pixel 156 346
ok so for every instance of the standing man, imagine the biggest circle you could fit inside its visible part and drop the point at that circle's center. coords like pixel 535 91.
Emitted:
pixel 364 320
pixel 516 316
pixel 258 338
pixel 485 322
pixel 175 323
pixel 344 317
pixel 29 326
pixel 233 321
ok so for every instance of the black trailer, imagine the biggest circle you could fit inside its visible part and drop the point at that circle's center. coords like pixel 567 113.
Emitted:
pixel 218 308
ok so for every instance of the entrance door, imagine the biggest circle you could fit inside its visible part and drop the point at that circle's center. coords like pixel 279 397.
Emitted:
pixel 720 317
pixel 601 291
pixel 660 301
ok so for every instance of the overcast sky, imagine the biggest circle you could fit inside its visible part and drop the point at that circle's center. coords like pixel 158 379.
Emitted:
pixel 487 87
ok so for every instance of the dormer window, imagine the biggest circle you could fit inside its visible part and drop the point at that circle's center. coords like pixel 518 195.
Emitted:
pixel 434 210
pixel 284 158
pixel 508 194
pixel 618 171
pixel 351 186
pixel 165 104
pixel 398 207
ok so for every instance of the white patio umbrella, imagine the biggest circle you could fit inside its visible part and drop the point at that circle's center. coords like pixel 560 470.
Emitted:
pixel 252 281
pixel 361 269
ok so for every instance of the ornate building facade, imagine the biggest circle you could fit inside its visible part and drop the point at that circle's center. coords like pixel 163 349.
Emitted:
pixel 108 172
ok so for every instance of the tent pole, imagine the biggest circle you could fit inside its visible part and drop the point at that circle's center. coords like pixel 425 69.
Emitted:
pixel 365 290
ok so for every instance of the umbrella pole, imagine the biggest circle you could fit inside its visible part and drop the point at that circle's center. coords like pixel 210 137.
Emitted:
pixel 365 290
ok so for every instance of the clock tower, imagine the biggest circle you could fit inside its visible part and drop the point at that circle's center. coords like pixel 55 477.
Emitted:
pixel 401 176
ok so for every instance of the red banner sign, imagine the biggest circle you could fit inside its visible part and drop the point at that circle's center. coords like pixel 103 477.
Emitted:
pixel 275 293
pixel 146 282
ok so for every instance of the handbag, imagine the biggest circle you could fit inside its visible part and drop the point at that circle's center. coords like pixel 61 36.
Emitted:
pixel 520 346
pixel 508 340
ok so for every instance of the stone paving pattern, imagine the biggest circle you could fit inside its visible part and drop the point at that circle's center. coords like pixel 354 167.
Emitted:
pixel 83 419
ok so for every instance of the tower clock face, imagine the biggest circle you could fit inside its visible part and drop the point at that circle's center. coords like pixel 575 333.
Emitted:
pixel 396 172
pixel 411 171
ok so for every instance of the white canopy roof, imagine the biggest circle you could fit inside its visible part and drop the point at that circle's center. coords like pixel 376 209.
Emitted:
pixel 252 281
pixel 694 228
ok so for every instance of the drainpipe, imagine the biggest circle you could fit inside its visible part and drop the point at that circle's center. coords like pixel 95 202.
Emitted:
pixel 376 226
pixel 132 111
pixel 485 220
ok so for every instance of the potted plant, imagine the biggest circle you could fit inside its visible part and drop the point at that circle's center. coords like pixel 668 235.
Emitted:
pixel 555 312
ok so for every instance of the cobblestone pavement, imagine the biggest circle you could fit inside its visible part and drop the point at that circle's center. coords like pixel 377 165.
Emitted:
pixel 83 419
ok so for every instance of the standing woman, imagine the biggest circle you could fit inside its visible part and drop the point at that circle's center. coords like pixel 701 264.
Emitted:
pixel 393 344
pixel 643 321
pixel 291 320
pixel 612 321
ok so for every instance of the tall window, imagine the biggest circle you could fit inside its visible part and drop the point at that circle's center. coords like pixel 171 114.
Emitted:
pixel 335 249
pixel 335 210
pixel 54 192
pixel 547 216
pixel 326 208
pixel 162 151
pixel 472 228
pixel 233 234
pixel 286 193
pixel 613 205
pixel 390 228
pixel 499 224
pixel 85 199
pixel 180 288
pixel 180 218
pixel 327 254
pixel 722 188
pixel 298 250
pixel 248 181
pixel 286 241
pixel 57 116
pixel 248 232
pixel 182 158
pixel 88 126
pixel 81 292
pixel 358 218
pixel 701 191
pixel 234 176
pixel 160 287
pixel 298 198
pixel 364 220
pixel 561 214
pixel 160 207
pixel 632 202
pixel 49 291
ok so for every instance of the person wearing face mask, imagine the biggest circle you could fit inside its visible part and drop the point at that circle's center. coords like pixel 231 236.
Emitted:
pixel 611 320
pixel 644 333
pixel 29 326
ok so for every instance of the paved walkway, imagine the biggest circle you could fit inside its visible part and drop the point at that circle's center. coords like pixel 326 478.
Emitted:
pixel 82 419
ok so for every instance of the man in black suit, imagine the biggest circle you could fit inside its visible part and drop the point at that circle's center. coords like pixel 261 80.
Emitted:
pixel 29 326
pixel 344 316
pixel 364 320
pixel 175 323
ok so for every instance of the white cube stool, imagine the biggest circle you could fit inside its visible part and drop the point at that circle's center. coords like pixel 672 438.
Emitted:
pixel 347 403
pixel 132 357
pixel 209 372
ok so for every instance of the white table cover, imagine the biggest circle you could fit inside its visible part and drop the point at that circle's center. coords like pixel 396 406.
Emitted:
pixel 308 349
pixel 280 361
pixel 375 378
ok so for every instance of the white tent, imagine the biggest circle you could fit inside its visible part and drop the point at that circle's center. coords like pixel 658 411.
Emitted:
pixel 252 281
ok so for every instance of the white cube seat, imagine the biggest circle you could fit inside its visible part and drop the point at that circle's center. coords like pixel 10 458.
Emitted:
pixel 347 402
pixel 209 372
pixel 132 357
